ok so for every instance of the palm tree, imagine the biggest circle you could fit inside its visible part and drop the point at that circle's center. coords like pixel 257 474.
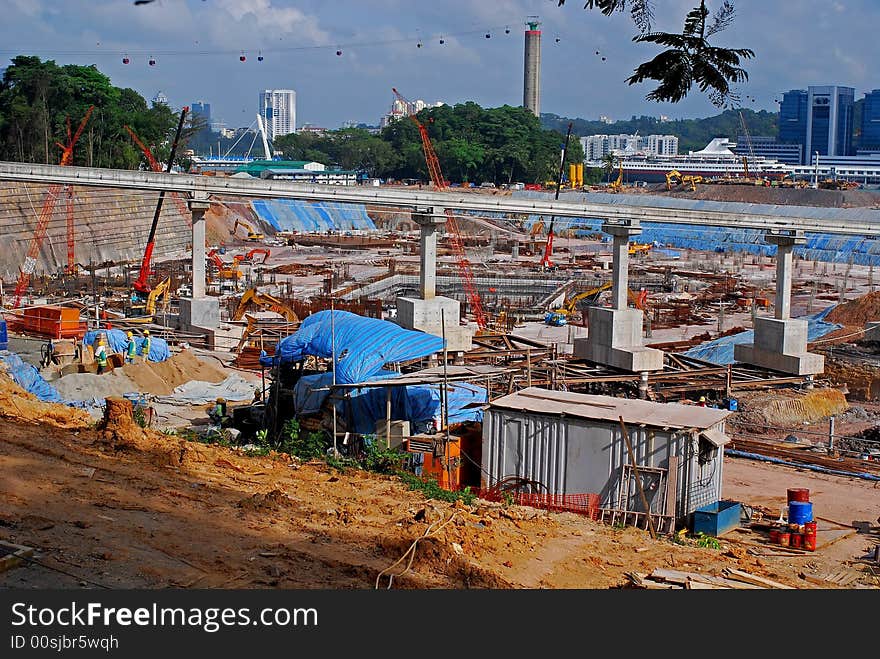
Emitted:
pixel 690 59
pixel 609 164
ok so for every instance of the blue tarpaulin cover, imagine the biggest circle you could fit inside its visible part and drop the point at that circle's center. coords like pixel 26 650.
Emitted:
pixel 117 341
pixel 363 345
pixel 720 351
pixel 28 378
pixel 413 403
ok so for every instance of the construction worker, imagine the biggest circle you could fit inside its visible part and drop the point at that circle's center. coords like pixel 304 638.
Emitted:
pixel 101 354
pixel 130 349
pixel 218 412
pixel 145 346
pixel 702 401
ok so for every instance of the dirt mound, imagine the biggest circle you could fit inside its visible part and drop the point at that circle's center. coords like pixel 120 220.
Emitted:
pixel 856 312
pixel 16 403
pixel 85 386
pixel 861 380
pixel 185 366
pixel 782 407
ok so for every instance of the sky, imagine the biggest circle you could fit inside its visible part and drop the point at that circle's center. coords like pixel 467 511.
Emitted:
pixel 197 45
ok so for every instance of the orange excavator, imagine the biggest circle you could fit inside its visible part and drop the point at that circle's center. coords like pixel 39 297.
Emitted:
pixel 249 257
pixel 225 270
pixel 546 262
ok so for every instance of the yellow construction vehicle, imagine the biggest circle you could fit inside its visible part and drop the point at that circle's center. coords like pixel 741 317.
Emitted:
pixel 251 234
pixel 673 177
pixel 692 180
pixel 143 313
pixel 617 184
pixel 559 316
pixel 265 301
pixel 639 248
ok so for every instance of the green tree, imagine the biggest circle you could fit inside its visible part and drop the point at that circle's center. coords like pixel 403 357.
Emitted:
pixel 689 59
pixel 609 164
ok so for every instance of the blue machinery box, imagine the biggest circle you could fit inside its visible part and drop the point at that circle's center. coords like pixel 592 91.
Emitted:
pixel 717 518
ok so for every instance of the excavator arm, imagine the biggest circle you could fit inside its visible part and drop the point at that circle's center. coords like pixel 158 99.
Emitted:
pixel 252 297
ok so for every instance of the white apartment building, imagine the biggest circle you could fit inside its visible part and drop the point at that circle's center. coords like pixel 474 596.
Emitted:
pixel 597 146
pixel 401 109
pixel 278 109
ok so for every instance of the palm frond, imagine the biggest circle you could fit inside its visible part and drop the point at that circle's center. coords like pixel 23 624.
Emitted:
pixel 722 18
pixel 695 21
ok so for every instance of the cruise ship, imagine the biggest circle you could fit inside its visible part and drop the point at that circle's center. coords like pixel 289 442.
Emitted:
pixel 717 160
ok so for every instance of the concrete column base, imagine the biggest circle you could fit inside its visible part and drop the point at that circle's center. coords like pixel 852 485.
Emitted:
pixel 615 339
pixel 201 312
pixel 428 315
pixel 780 345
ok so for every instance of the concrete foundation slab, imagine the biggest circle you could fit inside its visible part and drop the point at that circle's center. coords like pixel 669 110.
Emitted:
pixel 428 316
pixel 780 345
pixel 615 339
pixel 202 312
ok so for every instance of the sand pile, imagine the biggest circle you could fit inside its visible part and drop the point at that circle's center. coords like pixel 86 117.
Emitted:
pixel 156 378
pixel 16 403
pixel 85 386
pixel 856 312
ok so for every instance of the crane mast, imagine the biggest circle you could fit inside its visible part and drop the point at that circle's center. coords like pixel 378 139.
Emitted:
pixel 464 266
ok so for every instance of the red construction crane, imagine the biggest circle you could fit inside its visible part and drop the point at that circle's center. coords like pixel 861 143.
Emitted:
pixel 30 261
pixel 440 183
pixel 179 201
pixel 546 260
pixel 142 284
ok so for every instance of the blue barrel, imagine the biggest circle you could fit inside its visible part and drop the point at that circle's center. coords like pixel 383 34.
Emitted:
pixel 4 336
pixel 732 405
pixel 800 512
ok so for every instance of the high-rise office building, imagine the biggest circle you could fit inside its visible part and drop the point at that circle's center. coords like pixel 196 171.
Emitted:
pixel 278 109
pixel 870 140
pixel 793 119
pixel 829 121
pixel 201 109
pixel 820 119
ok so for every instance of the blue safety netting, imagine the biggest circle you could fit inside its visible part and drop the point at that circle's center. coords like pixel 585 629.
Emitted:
pixel 831 248
pixel 117 341
pixel 366 407
pixel 720 351
pixel 28 378
pixel 363 346
pixel 305 216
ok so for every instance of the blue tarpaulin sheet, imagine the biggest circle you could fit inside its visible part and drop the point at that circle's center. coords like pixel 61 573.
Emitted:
pixel 28 378
pixel 305 216
pixel 414 403
pixel 363 346
pixel 117 341
pixel 720 351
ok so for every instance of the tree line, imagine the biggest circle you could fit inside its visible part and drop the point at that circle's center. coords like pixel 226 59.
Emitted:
pixel 38 98
pixel 473 144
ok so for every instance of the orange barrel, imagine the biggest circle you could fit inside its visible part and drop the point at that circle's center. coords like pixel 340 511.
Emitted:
pixel 798 494
pixel 774 536
pixel 796 540
pixel 784 538
pixel 811 527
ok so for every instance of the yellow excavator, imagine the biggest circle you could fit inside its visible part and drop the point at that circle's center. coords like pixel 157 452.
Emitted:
pixel 617 184
pixel 639 248
pixel 560 316
pixel 251 234
pixel 264 301
pixel 144 313
pixel 673 177
pixel 692 181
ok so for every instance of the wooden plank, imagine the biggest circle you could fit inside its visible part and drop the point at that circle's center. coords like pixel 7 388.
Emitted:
pixel 16 555
pixel 740 575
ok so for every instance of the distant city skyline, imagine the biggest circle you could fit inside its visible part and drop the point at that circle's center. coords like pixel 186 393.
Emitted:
pixel 227 51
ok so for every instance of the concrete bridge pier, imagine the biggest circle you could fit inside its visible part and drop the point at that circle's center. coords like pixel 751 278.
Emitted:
pixel 432 313
pixel 780 342
pixel 615 334
pixel 199 313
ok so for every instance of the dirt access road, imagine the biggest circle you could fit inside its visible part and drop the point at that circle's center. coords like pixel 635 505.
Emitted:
pixel 155 511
